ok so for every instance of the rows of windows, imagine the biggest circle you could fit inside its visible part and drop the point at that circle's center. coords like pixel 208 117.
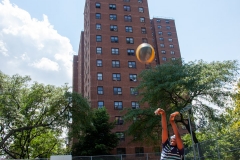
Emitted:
pixel 127 18
pixel 115 51
pixel 115 28
pixel 170 45
pixel 166 21
pixel 118 105
pixel 117 76
pixel 116 63
pixel 161 33
pixel 115 39
pixel 125 7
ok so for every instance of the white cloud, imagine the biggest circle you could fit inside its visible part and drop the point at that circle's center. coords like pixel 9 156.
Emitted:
pixel 29 46
pixel 46 64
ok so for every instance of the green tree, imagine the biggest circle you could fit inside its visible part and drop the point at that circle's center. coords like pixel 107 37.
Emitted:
pixel 29 111
pixel 97 139
pixel 174 85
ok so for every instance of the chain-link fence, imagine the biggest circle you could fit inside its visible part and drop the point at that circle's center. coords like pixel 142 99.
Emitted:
pixel 226 147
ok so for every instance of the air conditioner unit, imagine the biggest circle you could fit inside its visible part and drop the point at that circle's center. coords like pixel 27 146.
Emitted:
pixel 141 11
pixel 98 28
pixel 141 20
pixel 119 92
pixel 130 66
pixel 115 29
pixel 111 18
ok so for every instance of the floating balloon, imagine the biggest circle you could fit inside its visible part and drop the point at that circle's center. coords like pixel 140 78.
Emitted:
pixel 145 53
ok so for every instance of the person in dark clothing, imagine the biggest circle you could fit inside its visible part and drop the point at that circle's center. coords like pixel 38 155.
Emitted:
pixel 174 148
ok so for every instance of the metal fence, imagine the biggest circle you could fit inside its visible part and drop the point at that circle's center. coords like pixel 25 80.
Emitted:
pixel 226 147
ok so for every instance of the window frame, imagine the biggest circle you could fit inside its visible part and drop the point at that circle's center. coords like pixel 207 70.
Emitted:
pixel 117 90
pixel 116 76
pixel 118 105
pixel 98 16
pixel 129 40
pixel 133 77
pixel 98 50
pixel 113 17
pixel 100 90
pixel 112 7
pixel 99 63
pixel 128 29
pixel 131 52
pixel 115 51
pixel 100 78
pixel 131 64
pixel 114 64
pixel 98 38
pixel 100 106
pixel 114 39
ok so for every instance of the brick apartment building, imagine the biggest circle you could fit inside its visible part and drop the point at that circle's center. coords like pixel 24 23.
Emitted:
pixel 105 69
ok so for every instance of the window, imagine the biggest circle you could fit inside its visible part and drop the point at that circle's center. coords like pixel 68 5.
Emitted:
pixel 99 50
pixel 130 52
pixel 119 120
pixel 99 63
pixel 113 28
pixel 131 64
pixel 139 151
pixel 133 77
pixel 144 31
pixel 164 59
pixel 118 105
pixel 98 15
pixel 133 91
pixel 126 8
pixel 115 51
pixel 160 33
pixel 120 136
pixel 169 33
pixel 115 64
pixel 100 89
pixel 99 76
pixel 112 6
pixel 139 1
pixel 172 52
pixel 117 90
pixel 135 105
pixel 144 40
pixel 140 9
pixel 159 27
pixel 170 40
pixel 98 38
pixel 114 39
pixel 98 5
pixel 116 77
pixel 98 26
pixel 162 45
pixel 142 19
pixel 100 104
pixel 168 27
pixel 129 40
pixel 126 0
pixel 173 58
pixel 128 18
pixel 128 29
pixel 121 151
pixel 161 39
pixel 171 46
pixel 163 52
pixel 167 21
pixel 158 20
pixel 113 17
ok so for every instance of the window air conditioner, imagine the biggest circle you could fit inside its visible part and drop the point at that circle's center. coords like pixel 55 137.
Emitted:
pixel 130 66
pixel 111 18
pixel 119 92
pixel 141 11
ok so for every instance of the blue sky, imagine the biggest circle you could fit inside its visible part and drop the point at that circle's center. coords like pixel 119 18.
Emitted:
pixel 207 29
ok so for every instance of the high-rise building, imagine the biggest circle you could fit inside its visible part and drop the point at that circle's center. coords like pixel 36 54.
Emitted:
pixel 105 69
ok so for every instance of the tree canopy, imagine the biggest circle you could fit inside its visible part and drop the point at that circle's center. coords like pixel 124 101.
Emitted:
pixel 96 139
pixel 174 85
pixel 30 111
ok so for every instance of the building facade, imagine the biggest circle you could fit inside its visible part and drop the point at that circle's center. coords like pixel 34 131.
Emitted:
pixel 105 69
